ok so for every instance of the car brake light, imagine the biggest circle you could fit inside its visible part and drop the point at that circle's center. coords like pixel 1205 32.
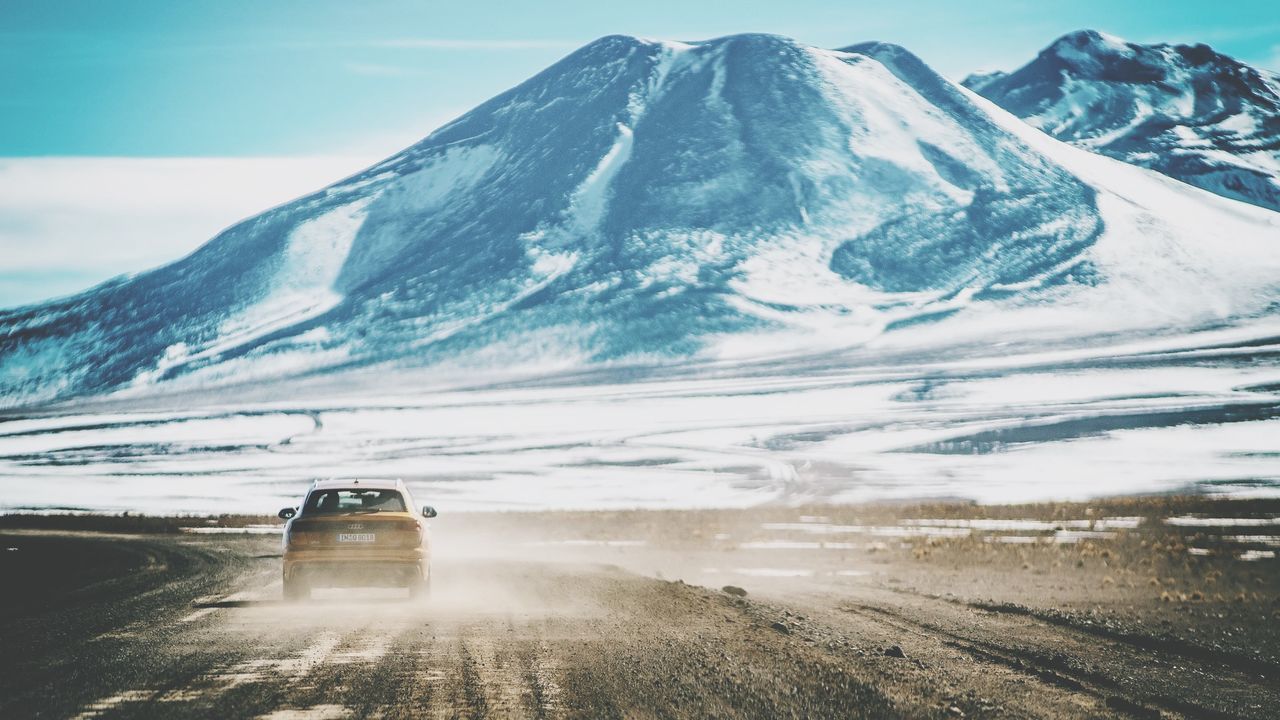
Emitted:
pixel 300 536
pixel 414 527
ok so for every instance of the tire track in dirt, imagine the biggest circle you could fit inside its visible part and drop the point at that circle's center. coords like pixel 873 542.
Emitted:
pixel 1259 667
pixel 1056 668
pixel 474 704
pixel 538 671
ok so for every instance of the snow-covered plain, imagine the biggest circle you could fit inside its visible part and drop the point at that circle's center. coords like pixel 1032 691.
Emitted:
pixel 1199 412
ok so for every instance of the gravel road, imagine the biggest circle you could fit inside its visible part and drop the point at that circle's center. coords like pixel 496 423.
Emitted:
pixel 99 625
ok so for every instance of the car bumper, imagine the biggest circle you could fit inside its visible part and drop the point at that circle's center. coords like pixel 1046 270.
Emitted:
pixel 327 569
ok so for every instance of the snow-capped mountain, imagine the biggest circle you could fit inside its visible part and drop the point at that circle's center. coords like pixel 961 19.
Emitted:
pixel 1185 110
pixel 644 199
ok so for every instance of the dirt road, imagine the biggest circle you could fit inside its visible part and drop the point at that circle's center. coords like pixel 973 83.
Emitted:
pixel 175 626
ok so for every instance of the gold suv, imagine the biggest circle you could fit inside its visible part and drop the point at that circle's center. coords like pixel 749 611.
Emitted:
pixel 355 533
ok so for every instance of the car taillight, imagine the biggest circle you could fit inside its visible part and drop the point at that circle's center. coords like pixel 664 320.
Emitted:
pixel 300 535
pixel 412 532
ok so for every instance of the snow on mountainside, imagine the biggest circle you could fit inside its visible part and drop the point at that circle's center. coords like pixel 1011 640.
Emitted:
pixel 1184 110
pixel 643 199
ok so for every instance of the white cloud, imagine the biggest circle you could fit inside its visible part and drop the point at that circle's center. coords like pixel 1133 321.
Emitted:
pixel 69 222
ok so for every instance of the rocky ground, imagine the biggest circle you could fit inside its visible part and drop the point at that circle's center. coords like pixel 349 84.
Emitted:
pixel 1146 607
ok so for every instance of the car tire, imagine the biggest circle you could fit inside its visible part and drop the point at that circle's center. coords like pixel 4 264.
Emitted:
pixel 296 590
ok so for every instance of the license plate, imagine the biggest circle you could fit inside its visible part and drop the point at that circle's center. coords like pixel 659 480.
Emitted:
pixel 356 537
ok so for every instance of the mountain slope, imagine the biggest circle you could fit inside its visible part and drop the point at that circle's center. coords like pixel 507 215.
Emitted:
pixel 645 199
pixel 1184 110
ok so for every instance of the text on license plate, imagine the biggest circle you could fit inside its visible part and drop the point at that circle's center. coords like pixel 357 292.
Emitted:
pixel 356 537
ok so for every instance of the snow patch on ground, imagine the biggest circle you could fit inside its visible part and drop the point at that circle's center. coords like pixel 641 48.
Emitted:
pixel 454 170
pixel 302 288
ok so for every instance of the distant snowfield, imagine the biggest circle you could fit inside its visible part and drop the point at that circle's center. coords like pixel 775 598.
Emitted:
pixel 1197 413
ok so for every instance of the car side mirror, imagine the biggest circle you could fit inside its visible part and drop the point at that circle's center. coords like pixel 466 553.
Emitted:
pixel 428 511
pixel 286 513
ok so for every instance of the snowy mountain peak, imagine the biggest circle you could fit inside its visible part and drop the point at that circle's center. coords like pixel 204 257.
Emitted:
pixel 638 200
pixel 1089 48
pixel 1185 110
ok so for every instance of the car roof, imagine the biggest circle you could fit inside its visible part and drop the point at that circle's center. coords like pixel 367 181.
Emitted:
pixel 353 484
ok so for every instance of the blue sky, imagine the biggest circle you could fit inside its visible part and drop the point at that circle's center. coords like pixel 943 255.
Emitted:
pixel 299 88
pixel 200 78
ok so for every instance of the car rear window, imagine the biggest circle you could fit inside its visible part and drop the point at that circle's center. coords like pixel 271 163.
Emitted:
pixel 323 502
